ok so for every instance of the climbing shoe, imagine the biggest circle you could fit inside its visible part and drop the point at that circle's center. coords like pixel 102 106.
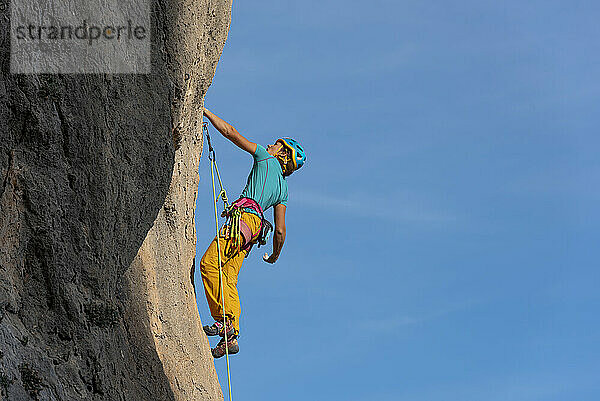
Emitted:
pixel 218 329
pixel 232 345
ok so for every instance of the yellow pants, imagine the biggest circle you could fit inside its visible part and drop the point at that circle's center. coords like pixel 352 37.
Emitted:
pixel 231 264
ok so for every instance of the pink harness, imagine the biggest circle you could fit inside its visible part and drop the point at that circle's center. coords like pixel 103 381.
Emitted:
pixel 249 237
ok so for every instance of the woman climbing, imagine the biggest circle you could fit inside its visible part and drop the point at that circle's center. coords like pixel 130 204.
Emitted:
pixel 266 186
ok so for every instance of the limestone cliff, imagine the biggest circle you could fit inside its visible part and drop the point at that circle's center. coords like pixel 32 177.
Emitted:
pixel 97 238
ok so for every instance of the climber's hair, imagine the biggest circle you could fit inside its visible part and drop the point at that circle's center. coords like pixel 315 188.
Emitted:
pixel 285 160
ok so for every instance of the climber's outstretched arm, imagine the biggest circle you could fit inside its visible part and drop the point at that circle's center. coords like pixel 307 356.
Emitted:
pixel 229 132
pixel 279 235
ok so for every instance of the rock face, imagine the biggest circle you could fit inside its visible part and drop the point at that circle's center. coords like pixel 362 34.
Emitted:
pixel 97 239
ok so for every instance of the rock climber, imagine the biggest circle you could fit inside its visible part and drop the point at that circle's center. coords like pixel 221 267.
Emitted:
pixel 266 187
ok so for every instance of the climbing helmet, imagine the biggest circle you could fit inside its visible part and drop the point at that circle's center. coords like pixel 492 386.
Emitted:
pixel 298 155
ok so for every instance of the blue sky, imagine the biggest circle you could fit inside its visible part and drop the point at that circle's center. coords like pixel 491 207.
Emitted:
pixel 442 236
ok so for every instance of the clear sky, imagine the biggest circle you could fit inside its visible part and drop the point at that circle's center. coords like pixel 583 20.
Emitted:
pixel 442 238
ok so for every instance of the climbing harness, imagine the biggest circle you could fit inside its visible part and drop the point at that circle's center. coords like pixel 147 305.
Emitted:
pixel 222 195
pixel 246 238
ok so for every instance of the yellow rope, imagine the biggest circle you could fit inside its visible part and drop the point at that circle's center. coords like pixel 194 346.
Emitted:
pixel 213 166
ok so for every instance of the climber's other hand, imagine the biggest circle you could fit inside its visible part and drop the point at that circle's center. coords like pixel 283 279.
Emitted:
pixel 269 259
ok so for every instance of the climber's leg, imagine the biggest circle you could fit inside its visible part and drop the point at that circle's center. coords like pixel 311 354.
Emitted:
pixel 209 267
pixel 233 270
pixel 232 298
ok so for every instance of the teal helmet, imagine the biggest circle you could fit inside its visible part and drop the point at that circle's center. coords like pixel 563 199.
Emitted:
pixel 298 155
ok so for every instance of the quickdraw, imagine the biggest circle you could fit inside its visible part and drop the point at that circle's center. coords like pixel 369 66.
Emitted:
pixel 232 231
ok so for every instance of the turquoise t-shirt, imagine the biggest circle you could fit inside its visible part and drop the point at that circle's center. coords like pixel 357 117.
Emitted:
pixel 266 184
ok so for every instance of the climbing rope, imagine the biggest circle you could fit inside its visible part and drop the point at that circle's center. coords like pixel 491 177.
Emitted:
pixel 222 195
